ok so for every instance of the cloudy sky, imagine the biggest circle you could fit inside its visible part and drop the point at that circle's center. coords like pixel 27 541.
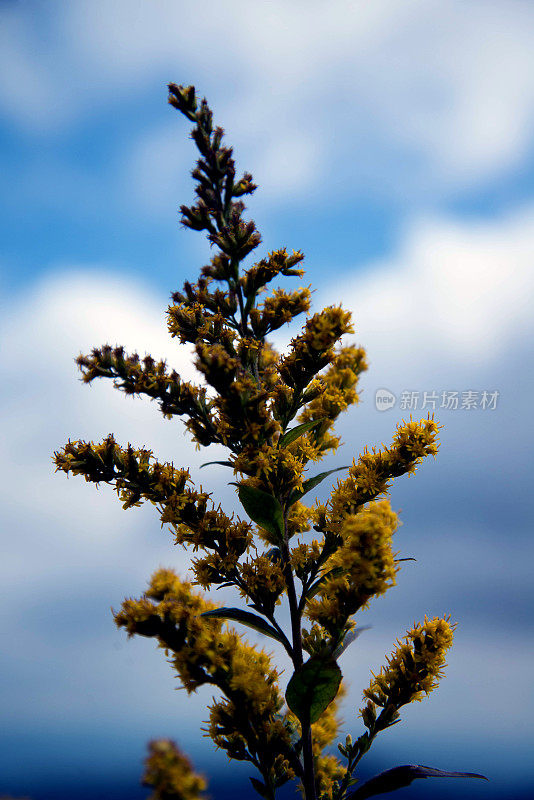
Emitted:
pixel 393 143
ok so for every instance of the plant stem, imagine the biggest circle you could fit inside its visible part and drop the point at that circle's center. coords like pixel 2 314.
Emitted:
pixel 354 760
pixel 307 749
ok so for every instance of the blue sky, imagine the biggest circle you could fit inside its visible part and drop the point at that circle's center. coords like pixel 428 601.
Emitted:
pixel 393 143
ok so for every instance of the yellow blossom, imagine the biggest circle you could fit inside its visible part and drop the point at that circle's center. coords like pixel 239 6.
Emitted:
pixel 169 772
pixel 367 565
pixel 415 667
pixel 263 581
pixel 372 474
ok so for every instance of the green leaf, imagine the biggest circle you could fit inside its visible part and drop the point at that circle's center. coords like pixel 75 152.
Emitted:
pixel 223 463
pixel 294 433
pixel 246 618
pixel 312 688
pixel 262 508
pixel 311 483
pixel 396 778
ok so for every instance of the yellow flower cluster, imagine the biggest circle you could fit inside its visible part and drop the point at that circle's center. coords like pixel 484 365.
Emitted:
pixel 241 375
pixel 298 519
pixel 130 470
pixel 369 569
pixel 244 417
pixel 170 773
pixel 247 723
pixel 371 476
pixel 415 667
pixel 304 556
pixel 325 328
pixel 170 611
pixel 263 581
pixel 209 529
pixel 336 391
pixel 271 469
pixel 313 349
pixel 176 397
pixel 136 478
pixel 213 569
pixel 277 309
pixel 190 320
pixel 308 447
pixel 261 273
pixel 213 360
pixel 315 640
pixel 265 742
pixel 202 652
pixel 328 773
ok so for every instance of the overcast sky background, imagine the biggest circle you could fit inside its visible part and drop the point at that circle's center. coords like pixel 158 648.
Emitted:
pixel 393 143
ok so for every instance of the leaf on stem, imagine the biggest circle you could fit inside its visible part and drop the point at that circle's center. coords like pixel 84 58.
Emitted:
pixel 396 778
pixel 246 618
pixel 262 508
pixel 312 688
pixel 299 430
pixel 223 463
pixel 311 483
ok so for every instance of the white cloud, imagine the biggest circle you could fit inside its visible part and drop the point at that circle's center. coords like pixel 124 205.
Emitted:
pixel 441 91
pixel 30 87
pixel 286 166
pixel 456 292
pixel 157 171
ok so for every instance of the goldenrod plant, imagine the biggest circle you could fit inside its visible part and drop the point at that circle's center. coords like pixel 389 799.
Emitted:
pixel 275 413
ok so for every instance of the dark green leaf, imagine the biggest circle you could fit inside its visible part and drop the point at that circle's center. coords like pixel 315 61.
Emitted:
pixel 262 508
pixel 223 463
pixel 311 483
pixel 246 618
pixel 313 687
pixel 396 778
pixel 299 430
